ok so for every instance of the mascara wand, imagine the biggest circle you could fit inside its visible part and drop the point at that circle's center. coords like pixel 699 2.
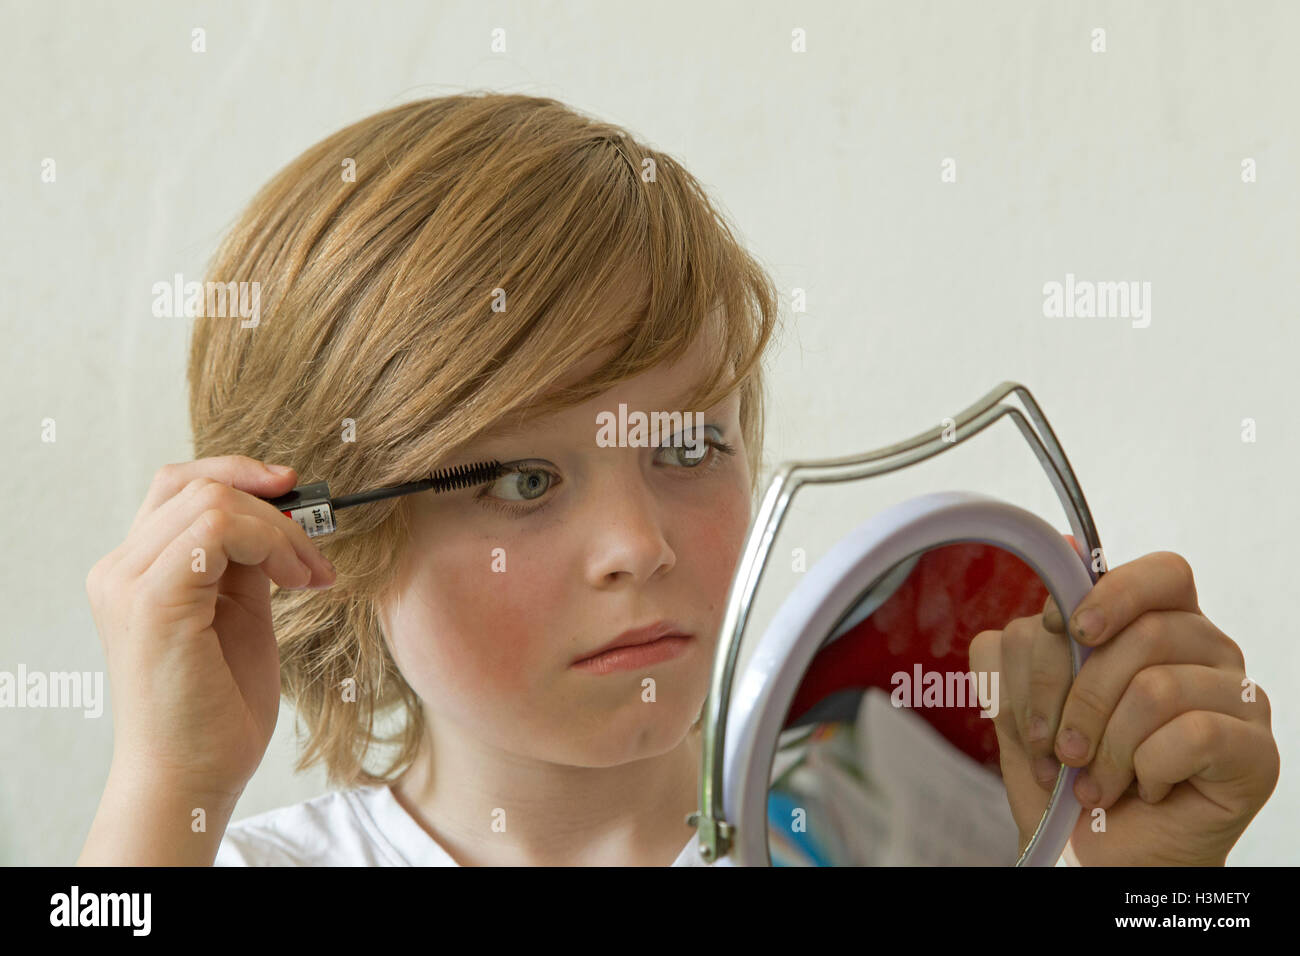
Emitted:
pixel 313 508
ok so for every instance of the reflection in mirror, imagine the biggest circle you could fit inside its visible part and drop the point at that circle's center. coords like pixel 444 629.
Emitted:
pixel 907 741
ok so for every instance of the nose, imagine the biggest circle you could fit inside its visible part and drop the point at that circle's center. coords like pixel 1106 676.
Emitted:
pixel 627 522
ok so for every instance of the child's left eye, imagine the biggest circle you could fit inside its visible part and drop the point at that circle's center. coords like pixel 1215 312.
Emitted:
pixel 691 459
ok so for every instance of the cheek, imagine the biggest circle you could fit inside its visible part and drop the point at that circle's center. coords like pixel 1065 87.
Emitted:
pixel 512 614
pixel 711 547
pixel 469 631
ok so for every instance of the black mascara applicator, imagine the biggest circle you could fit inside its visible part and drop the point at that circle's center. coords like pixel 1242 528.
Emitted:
pixel 313 508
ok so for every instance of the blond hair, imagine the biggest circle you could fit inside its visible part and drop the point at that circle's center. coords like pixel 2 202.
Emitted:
pixel 377 296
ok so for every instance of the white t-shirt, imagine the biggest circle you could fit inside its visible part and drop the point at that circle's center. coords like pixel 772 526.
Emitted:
pixel 365 826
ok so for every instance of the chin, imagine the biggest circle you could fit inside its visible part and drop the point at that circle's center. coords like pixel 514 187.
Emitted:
pixel 625 737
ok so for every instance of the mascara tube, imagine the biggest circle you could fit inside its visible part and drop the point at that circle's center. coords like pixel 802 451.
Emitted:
pixel 314 510
pixel 310 506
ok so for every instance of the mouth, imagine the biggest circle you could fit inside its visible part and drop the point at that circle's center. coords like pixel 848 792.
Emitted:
pixel 639 647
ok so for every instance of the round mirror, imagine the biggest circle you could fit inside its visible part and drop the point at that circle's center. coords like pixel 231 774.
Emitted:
pixel 889 702
pixel 902 746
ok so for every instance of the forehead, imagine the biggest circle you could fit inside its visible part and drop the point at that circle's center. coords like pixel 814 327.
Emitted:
pixel 666 387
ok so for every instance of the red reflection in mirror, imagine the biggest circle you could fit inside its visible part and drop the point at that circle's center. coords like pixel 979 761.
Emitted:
pixel 952 594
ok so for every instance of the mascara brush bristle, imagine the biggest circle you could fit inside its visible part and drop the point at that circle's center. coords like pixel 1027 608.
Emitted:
pixel 462 476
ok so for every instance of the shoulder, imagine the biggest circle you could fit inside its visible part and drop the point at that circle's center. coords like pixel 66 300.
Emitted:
pixel 333 829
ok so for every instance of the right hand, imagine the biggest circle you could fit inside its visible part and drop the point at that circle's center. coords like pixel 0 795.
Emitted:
pixel 192 658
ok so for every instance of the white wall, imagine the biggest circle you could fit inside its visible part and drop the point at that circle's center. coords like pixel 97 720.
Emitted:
pixel 921 295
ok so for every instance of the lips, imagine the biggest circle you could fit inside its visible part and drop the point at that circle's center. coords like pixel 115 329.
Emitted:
pixel 640 635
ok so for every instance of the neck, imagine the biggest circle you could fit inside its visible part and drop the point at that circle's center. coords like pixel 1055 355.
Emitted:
pixel 490 807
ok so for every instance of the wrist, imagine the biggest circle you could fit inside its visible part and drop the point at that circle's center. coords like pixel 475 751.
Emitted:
pixel 156 821
pixel 145 779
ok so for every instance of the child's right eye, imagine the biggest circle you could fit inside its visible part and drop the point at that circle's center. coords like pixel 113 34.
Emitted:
pixel 529 483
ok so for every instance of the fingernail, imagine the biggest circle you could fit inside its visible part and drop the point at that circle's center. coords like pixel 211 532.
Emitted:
pixel 280 469
pixel 1073 744
pixel 1086 789
pixel 333 575
pixel 306 584
pixel 1089 623
pixel 1052 619
pixel 1045 770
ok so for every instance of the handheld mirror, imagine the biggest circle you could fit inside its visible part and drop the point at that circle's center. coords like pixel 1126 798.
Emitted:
pixel 880 717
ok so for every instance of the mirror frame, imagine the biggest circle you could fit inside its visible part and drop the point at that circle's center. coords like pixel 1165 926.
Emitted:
pixel 716 833
pixel 830 591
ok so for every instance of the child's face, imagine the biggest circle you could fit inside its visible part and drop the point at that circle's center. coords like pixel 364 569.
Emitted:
pixel 492 608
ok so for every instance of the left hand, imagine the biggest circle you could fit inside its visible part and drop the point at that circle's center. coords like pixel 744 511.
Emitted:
pixel 1176 741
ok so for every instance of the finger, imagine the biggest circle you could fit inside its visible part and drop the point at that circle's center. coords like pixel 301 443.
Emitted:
pixel 1037 668
pixel 203 494
pixel 985 656
pixel 1154 697
pixel 176 580
pixel 238 471
pixel 1161 581
pixel 1017 649
pixel 1026 802
pixel 1052 620
pixel 1229 761
pixel 1156 637
pixel 1052 623
pixel 1051 673
pixel 159 528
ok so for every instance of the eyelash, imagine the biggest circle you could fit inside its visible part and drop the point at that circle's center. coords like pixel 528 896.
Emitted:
pixel 714 460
